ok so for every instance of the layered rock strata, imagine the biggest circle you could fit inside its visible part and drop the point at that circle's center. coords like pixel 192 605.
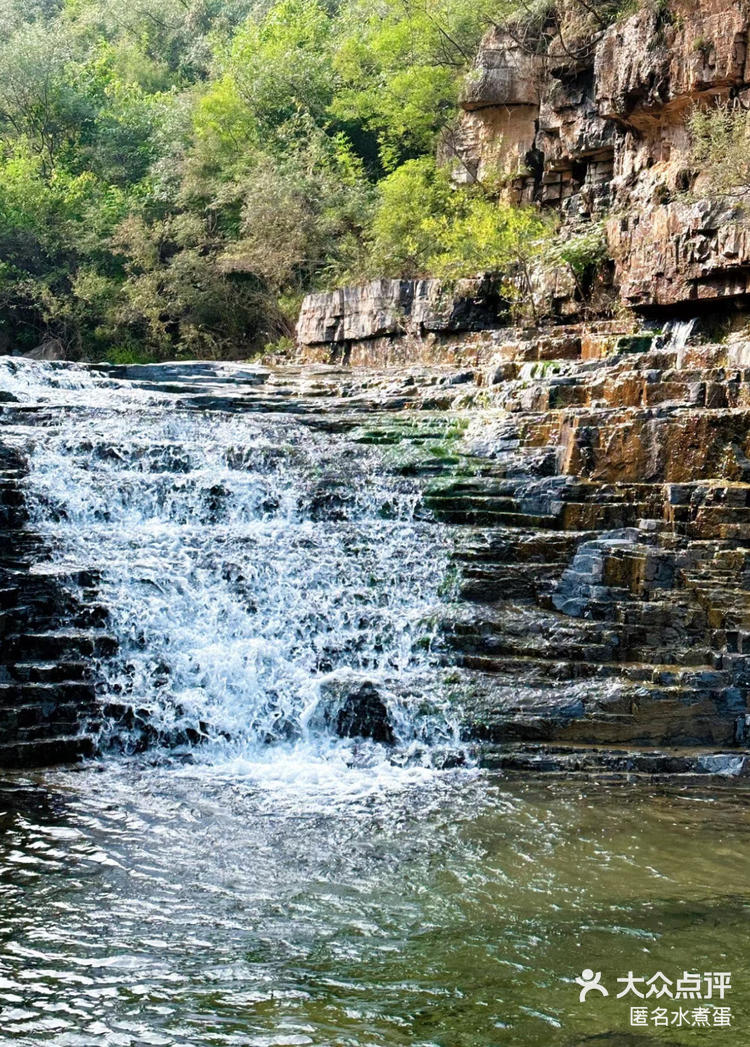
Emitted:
pixel 596 487
pixel 601 129
pixel 598 130
pixel 49 639
pixel 386 309
pixel 606 550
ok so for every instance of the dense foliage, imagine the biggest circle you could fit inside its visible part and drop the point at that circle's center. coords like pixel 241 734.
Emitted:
pixel 175 174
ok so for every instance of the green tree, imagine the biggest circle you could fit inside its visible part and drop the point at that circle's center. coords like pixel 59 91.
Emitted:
pixel 399 65
pixel 424 226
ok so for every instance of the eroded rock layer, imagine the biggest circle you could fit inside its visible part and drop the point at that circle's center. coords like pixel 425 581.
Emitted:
pixel 606 550
pixel 595 486
pixel 600 501
pixel 594 126
pixel 49 640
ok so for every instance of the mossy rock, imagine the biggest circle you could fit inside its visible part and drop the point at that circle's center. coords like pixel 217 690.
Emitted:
pixel 635 343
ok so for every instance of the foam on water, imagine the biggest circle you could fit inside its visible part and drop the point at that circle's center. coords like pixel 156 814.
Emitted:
pixel 254 570
pixel 51 382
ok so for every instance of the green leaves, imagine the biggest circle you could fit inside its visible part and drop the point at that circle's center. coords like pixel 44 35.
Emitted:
pixel 176 174
pixel 424 226
pixel 720 149
pixel 399 67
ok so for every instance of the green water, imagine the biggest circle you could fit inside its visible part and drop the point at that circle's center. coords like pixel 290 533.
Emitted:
pixel 289 903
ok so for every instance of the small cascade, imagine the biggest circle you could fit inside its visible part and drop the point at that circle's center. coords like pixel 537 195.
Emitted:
pixel 265 581
pixel 677 336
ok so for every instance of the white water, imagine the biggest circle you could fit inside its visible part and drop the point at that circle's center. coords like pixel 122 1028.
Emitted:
pixel 677 335
pixel 253 569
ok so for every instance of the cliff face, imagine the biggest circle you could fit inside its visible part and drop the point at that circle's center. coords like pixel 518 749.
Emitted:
pixel 394 308
pixel 669 251
pixel 596 130
pixel 603 130
pixel 605 514
pixel 604 543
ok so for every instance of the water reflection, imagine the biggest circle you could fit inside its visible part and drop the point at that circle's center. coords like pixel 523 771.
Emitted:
pixel 193 905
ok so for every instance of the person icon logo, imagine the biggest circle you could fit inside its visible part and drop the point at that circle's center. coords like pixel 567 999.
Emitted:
pixel 588 981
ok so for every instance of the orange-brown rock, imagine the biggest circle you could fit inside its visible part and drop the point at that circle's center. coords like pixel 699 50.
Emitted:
pixel 608 132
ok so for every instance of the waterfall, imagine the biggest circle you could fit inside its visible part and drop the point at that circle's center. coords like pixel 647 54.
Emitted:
pixel 677 335
pixel 257 570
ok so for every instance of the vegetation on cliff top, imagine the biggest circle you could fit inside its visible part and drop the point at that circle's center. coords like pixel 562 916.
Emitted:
pixel 175 174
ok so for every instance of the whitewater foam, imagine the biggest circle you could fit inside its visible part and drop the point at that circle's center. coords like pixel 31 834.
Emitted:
pixel 253 568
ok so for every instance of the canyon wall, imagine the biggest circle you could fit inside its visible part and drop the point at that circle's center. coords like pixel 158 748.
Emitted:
pixel 595 128
pixel 606 508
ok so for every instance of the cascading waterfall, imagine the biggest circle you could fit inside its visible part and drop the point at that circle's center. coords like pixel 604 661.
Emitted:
pixel 677 335
pixel 255 570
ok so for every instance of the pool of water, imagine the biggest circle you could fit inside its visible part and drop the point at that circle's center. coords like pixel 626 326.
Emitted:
pixel 301 900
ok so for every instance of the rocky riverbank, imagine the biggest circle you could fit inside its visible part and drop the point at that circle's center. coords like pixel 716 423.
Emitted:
pixel 602 498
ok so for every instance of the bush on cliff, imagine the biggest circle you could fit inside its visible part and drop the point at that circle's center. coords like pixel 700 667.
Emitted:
pixel 720 149
pixel 425 226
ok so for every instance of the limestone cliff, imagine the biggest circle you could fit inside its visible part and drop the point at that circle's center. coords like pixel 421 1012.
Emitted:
pixel 597 130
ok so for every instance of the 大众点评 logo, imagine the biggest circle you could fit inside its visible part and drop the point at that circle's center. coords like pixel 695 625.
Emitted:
pixel 707 987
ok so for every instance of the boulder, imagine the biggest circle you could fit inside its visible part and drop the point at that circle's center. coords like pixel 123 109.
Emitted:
pixel 397 308
pixel 353 707
pixel 364 715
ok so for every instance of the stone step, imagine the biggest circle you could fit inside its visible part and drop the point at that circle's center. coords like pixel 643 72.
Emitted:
pixel 41 575
pixel 592 711
pixel 444 505
pixel 483 583
pixel 46 672
pixel 691 657
pixel 66 748
pixel 487 517
pixel 497 644
pixel 42 720
pixel 46 694
pixel 13 513
pixel 63 645
pixel 531 669
pixel 528 670
pixel 9 597
pixel 496 544
pixel 620 763
pixel 602 516
pixel 63 726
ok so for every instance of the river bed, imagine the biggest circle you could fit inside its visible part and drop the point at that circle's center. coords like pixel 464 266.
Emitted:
pixel 234 868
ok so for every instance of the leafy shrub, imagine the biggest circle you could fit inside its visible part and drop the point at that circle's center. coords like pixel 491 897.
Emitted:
pixel 583 251
pixel 425 226
pixel 176 174
pixel 720 148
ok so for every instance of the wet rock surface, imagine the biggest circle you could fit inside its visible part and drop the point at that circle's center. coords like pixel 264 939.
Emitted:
pixel 49 641
pixel 364 715
pixel 597 490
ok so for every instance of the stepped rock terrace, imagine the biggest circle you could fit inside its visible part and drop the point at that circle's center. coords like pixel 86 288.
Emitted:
pixel 587 495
